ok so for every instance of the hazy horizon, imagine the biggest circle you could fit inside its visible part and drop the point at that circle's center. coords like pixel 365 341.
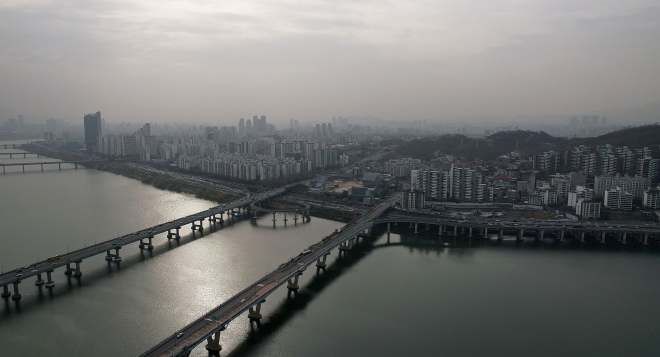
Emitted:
pixel 202 61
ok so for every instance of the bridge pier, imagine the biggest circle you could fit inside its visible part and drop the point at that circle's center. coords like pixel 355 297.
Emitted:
pixel 416 228
pixel 171 234
pixel 71 271
pixel 285 220
pixel 540 235
pixel 59 166
pixel 42 167
pixel 440 229
pixel 255 313
pixel 320 263
pixel 149 246
pixel 49 283
pixel 5 292
pixel 623 238
pixel 646 239
pixel 500 234
pixel 582 237
pixel 293 284
pixel 213 342
pixel 17 295
pixel 274 219
pixel 114 257
pixel 455 231
pixel 295 218
pixel 561 235
pixel 39 280
pixel 602 238
pixel 388 228
pixel 470 234
pixel 485 233
pixel 198 227
pixel 521 235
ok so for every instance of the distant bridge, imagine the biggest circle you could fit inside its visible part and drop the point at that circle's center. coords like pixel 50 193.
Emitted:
pixel 58 163
pixel 11 154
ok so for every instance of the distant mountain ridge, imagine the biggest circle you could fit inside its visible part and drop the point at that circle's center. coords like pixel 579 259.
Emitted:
pixel 504 142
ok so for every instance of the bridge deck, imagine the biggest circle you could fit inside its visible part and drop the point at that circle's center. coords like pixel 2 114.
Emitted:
pixel 196 332
pixel 16 275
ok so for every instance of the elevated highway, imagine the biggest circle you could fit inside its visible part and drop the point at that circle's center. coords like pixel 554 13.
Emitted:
pixel 207 328
pixel 72 260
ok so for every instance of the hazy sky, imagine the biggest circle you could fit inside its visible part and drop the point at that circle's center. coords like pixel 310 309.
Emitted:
pixel 217 61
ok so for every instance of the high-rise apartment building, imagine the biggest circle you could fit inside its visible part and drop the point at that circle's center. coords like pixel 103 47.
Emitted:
pixel 93 130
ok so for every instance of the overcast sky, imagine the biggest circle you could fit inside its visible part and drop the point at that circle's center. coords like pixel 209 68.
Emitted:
pixel 217 61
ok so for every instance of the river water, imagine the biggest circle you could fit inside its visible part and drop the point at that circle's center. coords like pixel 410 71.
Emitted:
pixel 410 296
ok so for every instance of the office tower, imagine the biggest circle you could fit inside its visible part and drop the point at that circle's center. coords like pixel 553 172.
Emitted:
pixel 264 126
pixel 93 130
pixel 330 131
pixel 248 127
pixel 324 130
pixel 256 123
pixel 318 130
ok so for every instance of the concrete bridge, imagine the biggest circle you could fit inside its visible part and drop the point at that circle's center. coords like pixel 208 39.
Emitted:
pixel 58 163
pixel 303 211
pixel 209 327
pixel 12 146
pixel 12 154
pixel 71 261
pixel 623 232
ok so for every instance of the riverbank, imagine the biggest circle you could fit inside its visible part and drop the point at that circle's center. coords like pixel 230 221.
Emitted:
pixel 160 181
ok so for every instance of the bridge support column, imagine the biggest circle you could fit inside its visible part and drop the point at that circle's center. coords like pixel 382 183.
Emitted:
pixel 42 167
pixel 72 271
pixel 148 246
pixel 5 292
pixel 293 284
pixel 320 263
pixel 500 234
pixel 440 229
pixel 582 237
pixel 274 220
pixel 39 280
pixel 49 282
pixel 255 313
pixel 561 235
pixel 285 218
pixel 521 235
pixel 295 218
pixel 388 227
pixel 646 239
pixel 213 342
pixel 171 234
pixel 602 238
pixel 470 235
pixel 416 228
pixel 455 231
pixel 59 166
pixel 623 239
pixel 540 235
pixel 76 166
pixel 485 233
pixel 428 227
pixel 17 295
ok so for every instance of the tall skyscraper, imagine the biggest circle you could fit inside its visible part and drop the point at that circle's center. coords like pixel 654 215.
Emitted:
pixel 248 127
pixel 92 130
pixel 264 126
pixel 241 127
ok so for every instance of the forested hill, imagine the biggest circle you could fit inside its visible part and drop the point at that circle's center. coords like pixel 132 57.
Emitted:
pixel 635 138
pixel 527 141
